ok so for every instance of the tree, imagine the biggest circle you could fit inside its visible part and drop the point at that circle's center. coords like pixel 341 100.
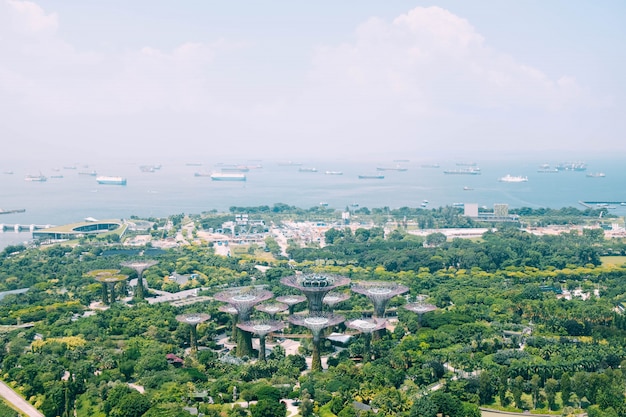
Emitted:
pixel 486 387
pixel 566 388
pixel 268 408
pixel 436 239
pixel 517 389
pixel 423 407
pixel 535 389
pixel 551 387
pixel 132 404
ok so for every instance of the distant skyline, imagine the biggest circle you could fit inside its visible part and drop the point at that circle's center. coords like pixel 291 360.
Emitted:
pixel 283 79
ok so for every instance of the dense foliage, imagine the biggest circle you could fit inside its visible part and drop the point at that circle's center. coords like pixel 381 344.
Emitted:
pixel 503 336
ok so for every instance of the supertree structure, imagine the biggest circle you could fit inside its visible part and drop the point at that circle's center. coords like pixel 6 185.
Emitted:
pixel 291 301
pixel 271 308
pixel 316 322
pixel 243 299
pixel 108 278
pixel 367 326
pixel 193 319
pixel 139 266
pixel 315 287
pixel 420 308
pixel 261 328
pixel 379 292
pixel 227 308
pixel 333 298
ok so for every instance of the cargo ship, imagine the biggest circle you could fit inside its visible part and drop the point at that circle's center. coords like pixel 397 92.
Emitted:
pixel 333 172
pixel 36 178
pixel 463 171
pixel 111 180
pixel 396 168
pixel 371 177
pixel 228 176
pixel 306 169
pixel 572 166
pixel 3 211
pixel 513 178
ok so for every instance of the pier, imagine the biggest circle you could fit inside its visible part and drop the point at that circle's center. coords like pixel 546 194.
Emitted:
pixel 23 227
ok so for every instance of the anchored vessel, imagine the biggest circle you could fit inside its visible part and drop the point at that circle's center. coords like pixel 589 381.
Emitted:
pixel 228 176
pixel 36 178
pixel 463 171
pixel 371 177
pixel 111 180
pixel 513 178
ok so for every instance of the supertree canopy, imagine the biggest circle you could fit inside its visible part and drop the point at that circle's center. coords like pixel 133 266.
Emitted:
pixel 193 319
pixel 291 300
pixel 315 287
pixel 333 298
pixel 243 299
pixel 109 278
pixel 139 266
pixel 272 308
pixel 367 326
pixel 261 328
pixel 316 323
pixel 379 292
pixel 420 308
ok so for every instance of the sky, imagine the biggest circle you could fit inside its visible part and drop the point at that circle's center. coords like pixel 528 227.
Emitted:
pixel 293 79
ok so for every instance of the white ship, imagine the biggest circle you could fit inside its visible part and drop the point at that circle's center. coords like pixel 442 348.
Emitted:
pixel 36 178
pixel 513 178
pixel 228 176
pixel 333 173
pixel 111 180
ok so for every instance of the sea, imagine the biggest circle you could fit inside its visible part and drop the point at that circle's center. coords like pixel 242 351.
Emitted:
pixel 70 195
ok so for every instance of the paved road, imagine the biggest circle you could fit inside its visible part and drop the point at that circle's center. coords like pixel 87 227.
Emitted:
pixel 18 402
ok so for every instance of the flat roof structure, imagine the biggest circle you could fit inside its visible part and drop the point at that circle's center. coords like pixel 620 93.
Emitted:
pixel 77 230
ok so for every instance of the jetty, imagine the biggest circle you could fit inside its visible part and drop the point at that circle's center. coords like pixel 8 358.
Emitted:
pixel 23 227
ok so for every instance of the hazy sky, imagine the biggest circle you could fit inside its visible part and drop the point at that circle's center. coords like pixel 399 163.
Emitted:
pixel 350 78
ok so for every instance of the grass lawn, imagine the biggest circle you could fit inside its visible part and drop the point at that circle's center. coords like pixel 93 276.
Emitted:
pixel 613 260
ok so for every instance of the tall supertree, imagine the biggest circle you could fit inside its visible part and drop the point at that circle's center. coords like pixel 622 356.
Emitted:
pixel 291 301
pixel 316 323
pixel 139 266
pixel 243 299
pixel 271 308
pixel 315 287
pixel 333 298
pixel 420 308
pixel 108 278
pixel 367 326
pixel 227 308
pixel 193 319
pixel 261 328
pixel 379 292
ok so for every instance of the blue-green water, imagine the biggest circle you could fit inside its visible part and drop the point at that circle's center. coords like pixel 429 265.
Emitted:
pixel 174 188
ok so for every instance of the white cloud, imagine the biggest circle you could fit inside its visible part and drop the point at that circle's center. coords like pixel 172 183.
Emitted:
pixel 26 18
pixel 427 78
pixel 432 60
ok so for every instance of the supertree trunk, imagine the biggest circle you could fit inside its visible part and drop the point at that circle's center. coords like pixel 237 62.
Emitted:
pixel 316 359
pixel 105 294
pixel 244 343
pixel 262 348
pixel 367 340
pixel 193 339
pixel 140 290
